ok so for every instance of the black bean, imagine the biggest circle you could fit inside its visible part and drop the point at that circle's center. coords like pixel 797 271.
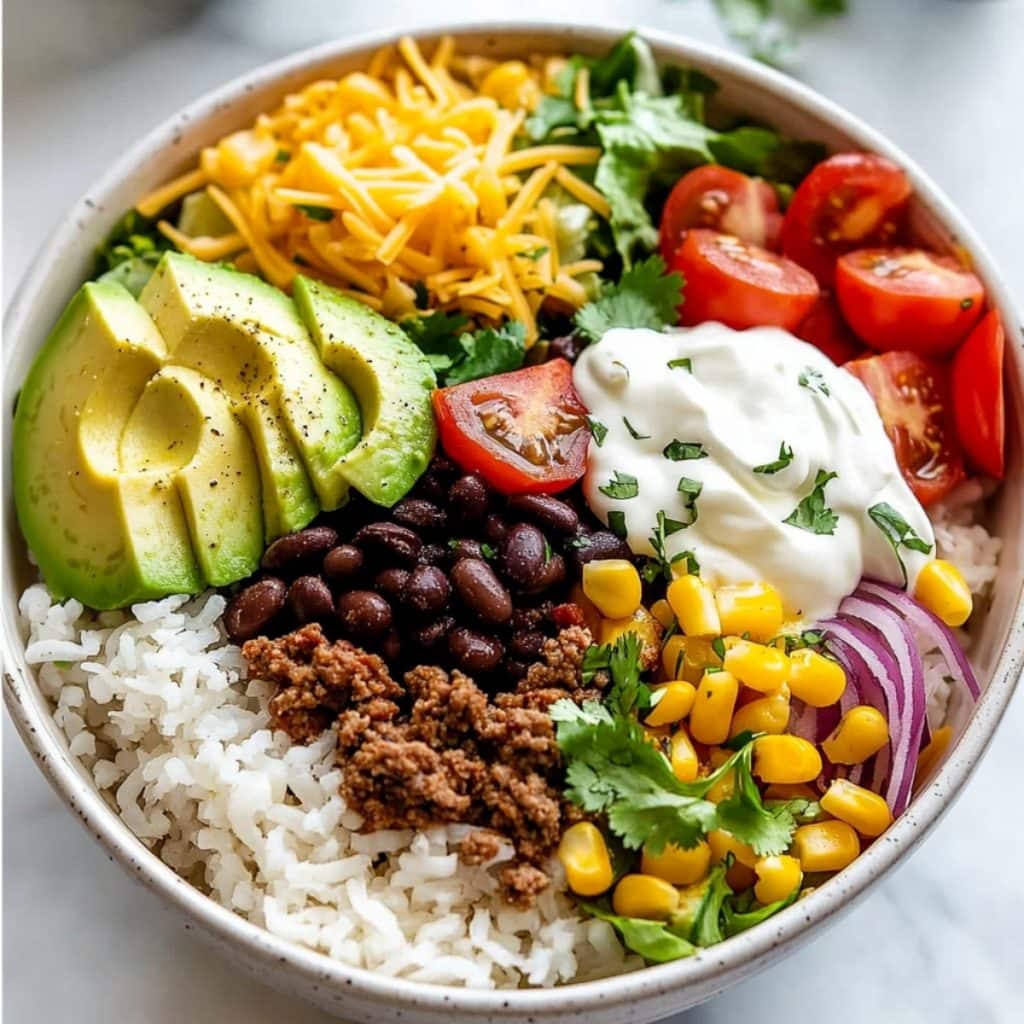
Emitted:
pixel 474 652
pixel 465 548
pixel 468 499
pixel 294 547
pixel 343 563
pixel 569 347
pixel 390 541
pixel 546 511
pixel 363 614
pixel 433 554
pixel 391 582
pixel 420 514
pixel 527 644
pixel 310 600
pixel 251 609
pixel 481 591
pixel 598 545
pixel 430 635
pixel 522 555
pixel 551 574
pixel 427 589
pixel 495 529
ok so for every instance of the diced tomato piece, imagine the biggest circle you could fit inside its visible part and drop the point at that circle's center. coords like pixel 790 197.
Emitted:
pixel 912 395
pixel 978 402
pixel 523 432
pixel 825 328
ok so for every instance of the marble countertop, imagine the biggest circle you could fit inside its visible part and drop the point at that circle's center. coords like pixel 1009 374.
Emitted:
pixel 940 941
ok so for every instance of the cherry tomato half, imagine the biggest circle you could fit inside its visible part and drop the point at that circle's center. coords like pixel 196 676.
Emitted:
pixel 523 432
pixel 912 395
pixel 908 299
pixel 739 284
pixel 716 197
pixel 978 406
pixel 848 201
pixel 825 329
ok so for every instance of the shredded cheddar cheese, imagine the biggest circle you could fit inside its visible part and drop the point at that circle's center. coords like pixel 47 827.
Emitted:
pixel 400 174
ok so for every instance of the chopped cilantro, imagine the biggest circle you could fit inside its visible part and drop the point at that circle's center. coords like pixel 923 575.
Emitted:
pixel 898 532
pixel 282 156
pixel 812 514
pixel 813 380
pixel 690 490
pixel 680 451
pixel 684 363
pixel 689 562
pixel 633 432
pixel 533 254
pixel 598 430
pixel 718 646
pixel 458 355
pixel 621 487
pixel 645 296
pixel 784 459
pixel 617 523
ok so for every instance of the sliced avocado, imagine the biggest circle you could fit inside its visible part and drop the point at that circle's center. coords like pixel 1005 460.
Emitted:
pixel 245 335
pixel 391 379
pixel 105 538
pixel 209 460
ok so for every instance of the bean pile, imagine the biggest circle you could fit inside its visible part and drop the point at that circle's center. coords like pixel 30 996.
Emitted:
pixel 455 575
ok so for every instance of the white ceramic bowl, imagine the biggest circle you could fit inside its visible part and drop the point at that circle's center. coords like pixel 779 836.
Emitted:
pixel 359 994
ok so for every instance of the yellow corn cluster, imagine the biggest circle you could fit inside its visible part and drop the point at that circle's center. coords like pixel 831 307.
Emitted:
pixel 399 174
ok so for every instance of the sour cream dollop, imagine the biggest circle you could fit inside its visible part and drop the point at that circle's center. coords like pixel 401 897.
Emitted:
pixel 682 419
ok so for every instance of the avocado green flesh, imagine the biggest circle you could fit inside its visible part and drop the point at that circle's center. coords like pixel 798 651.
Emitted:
pixel 210 464
pixel 245 335
pixel 104 537
pixel 392 381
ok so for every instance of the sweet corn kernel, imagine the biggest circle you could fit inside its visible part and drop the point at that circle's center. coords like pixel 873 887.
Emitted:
pixel 512 85
pixel 613 584
pixel 723 843
pixel 676 865
pixel 711 714
pixel 867 812
pixel 789 791
pixel 584 856
pixel 657 736
pixel 242 157
pixel 861 732
pixel 641 623
pixel 942 589
pixel 687 657
pixel 932 754
pixel 825 846
pixel 591 616
pixel 766 714
pixel 755 665
pixel 777 878
pixel 674 704
pixel 682 757
pixel 645 896
pixel 722 789
pixel 693 603
pixel 785 759
pixel 815 679
pixel 751 609
pixel 662 611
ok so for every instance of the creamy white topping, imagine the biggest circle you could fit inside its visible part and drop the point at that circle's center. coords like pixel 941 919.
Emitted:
pixel 696 410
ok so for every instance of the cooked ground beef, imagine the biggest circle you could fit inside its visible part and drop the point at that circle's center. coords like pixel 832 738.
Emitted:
pixel 439 749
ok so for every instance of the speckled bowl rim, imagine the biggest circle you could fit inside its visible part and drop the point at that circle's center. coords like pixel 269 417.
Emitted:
pixel 711 969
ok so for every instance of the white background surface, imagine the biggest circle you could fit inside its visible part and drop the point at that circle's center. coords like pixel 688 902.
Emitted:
pixel 942 940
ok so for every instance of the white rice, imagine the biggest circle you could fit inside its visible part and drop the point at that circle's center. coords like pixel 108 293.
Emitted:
pixel 155 707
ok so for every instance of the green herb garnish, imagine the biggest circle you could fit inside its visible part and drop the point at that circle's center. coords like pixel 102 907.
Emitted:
pixel 321 213
pixel 690 490
pixel 813 380
pixel 598 430
pixel 634 433
pixel 812 514
pixel 784 459
pixel 621 487
pixel 645 296
pixel 680 451
pixel 617 523
pixel 898 532
pixel 683 363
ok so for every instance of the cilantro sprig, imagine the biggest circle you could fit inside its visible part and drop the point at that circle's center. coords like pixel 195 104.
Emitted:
pixel 644 296
pixel 621 487
pixel 458 355
pixel 784 459
pixel 812 514
pixel 898 532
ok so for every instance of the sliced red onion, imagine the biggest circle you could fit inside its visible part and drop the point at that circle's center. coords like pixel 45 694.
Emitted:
pixel 880 682
pixel 934 630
